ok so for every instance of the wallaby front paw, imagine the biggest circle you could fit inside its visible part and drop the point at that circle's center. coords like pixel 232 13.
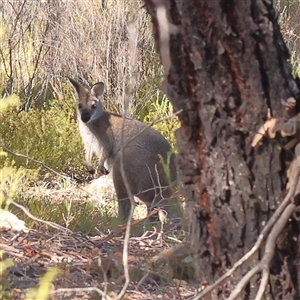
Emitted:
pixel 103 170
pixel 91 170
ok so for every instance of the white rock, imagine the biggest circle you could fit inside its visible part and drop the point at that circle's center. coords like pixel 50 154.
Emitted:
pixel 9 221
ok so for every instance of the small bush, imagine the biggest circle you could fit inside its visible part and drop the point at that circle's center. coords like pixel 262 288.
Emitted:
pixel 43 291
pixel 5 283
pixel 162 108
pixel 75 214
pixel 48 135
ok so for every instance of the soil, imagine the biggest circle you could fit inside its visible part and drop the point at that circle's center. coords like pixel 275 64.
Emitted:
pixel 159 264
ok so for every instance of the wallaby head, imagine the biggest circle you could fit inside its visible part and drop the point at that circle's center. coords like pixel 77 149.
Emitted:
pixel 89 107
pixel 89 101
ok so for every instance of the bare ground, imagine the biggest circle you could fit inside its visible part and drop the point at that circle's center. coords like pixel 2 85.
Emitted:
pixel 159 264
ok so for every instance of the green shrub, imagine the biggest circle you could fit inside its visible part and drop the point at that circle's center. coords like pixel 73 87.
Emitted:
pixel 42 292
pixel 5 282
pixel 161 108
pixel 48 135
pixel 78 213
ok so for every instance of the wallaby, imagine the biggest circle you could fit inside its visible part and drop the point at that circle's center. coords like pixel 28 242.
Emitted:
pixel 144 152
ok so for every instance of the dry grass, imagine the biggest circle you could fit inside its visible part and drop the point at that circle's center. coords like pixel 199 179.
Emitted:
pixel 94 262
pixel 44 42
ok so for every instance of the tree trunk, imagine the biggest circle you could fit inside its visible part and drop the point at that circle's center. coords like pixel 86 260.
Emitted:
pixel 226 67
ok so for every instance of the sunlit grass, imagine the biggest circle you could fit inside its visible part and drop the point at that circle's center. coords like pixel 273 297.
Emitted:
pixel 77 215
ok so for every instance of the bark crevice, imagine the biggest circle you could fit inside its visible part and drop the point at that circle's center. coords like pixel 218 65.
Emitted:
pixel 228 66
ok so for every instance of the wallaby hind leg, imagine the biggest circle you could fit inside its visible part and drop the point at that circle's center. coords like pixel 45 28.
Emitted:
pixel 162 189
pixel 165 200
pixel 148 182
pixel 122 195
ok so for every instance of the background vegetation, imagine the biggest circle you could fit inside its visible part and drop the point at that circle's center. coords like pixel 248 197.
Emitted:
pixel 42 43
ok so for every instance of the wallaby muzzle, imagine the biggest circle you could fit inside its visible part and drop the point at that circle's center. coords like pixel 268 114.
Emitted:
pixel 85 117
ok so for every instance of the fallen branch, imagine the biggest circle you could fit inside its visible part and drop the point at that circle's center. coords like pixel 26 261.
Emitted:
pixel 264 264
pixel 33 160
pixel 274 219
pixel 123 228
pixel 51 224
pixel 263 284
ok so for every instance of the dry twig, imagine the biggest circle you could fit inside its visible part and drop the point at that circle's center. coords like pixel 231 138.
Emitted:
pixel 51 224
pixel 277 217
pixel 33 160
pixel 127 233
pixel 264 264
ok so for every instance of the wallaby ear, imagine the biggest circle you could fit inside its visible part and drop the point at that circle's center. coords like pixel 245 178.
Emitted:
pixel 98 90
pixel 78 87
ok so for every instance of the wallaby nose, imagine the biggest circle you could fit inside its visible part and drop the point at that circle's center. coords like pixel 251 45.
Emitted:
pixel 85 117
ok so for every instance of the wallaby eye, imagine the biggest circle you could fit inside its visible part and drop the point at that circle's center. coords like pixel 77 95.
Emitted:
pixel 79 105
pixel 93 106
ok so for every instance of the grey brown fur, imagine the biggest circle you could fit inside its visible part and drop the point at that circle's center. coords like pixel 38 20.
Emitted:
pixel 104 134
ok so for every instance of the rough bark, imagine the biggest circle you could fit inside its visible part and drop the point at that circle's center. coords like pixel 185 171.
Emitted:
pixel 227 65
